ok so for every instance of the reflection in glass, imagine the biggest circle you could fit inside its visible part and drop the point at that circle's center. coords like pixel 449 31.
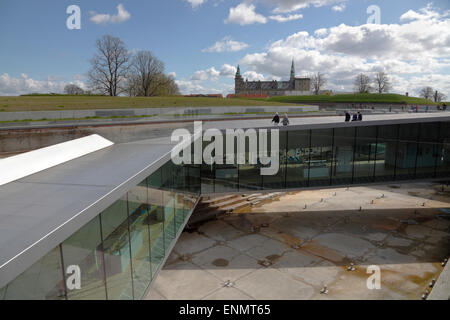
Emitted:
pixel 386 153
pixel 139 222
pixel 428 150
pixel 84 249
pixel 42 281
pixel 116 246
pixel 297 157
pixel 365 154
pixel 344 144
pixel 407 151
pixel 321 155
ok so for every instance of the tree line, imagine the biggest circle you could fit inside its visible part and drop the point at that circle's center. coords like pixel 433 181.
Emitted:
pixel 380 83
pixel 117 71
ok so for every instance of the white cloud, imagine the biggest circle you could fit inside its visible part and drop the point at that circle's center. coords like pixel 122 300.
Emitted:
pixel 172 74
pixel 340 7
pixel 321 32
pixel 228 71
pixel 245 14
pixel 289 17
pixel 415 53
pixel 196 3
pixel 283 6
pixel 253 76
pixel 194 87
pixel 208 74
pixel 227 44
pixel 103 18
pixel 25 85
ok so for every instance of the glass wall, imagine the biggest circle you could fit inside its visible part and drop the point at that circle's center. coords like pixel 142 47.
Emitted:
pixel 343 156
pixel 118 252
pixel 42 281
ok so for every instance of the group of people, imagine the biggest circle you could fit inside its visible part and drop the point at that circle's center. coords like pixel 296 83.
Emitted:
pixel 357 116
pixel 276 119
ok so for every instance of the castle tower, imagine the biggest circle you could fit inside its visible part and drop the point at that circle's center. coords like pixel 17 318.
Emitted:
pixel 238 82
pixel 292 70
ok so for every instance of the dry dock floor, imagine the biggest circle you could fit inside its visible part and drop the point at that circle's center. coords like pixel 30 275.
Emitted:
pixel 295 245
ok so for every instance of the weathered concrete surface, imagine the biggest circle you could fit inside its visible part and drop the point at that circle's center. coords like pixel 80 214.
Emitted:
pixel 441 290
pixel 292 252
pixel 78 114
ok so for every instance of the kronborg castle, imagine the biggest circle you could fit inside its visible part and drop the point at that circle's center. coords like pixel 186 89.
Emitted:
pixel 293 87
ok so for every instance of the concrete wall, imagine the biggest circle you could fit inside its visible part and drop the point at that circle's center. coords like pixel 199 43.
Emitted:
pixel 21 140
pixel 81 114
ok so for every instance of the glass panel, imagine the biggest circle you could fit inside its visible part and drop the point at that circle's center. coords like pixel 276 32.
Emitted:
pixel 208 177
pixel 277 181
pixel 169 218
pixel 116 247
pixel 428 150
pixel 84 249
pixel 386 153
pixel 179 212
pixel 42 281
pixel 407 151
pixel 2 293
pixel 249 176
pixel 321 157
pixel 140 238
pixel 344 141
pixel 297 159
pixel 193 182
pixel 189 202
pixel 366 146
pixel 443 168
pixel 156 211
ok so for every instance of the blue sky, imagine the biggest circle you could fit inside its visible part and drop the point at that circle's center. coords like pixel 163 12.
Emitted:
pixel 38 52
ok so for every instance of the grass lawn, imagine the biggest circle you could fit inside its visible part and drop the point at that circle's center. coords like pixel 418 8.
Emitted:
pixel 354 98
pixel 61 102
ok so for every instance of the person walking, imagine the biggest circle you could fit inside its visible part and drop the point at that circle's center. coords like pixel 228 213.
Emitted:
pixel 276 119
pixel 347 116
pixel 355 117
pixel 359 116
pixel 285 120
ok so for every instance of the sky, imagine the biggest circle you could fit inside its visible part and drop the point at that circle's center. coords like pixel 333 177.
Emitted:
pixel 202 41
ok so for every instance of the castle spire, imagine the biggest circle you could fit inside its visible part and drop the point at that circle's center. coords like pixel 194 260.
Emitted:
pixel 238 72
pixel 292 69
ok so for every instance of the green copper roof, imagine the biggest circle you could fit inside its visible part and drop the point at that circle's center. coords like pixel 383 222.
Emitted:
pixel 292 69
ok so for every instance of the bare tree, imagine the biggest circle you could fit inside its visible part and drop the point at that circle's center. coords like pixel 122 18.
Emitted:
pixel 109 66
pixel 73 89
pixel 439 96
pixel 149 71
pixel 146 77
pixel 427 93
pixel 382 82
pixel 362 83
pixel 168 87
pixel 317 82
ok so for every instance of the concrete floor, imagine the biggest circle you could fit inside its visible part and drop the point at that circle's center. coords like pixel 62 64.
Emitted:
pixel 403 229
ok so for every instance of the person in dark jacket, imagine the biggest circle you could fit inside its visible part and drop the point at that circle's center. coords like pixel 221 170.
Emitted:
pixel 355 117
pixel 359 116
pixel 347 116
pixel 276 119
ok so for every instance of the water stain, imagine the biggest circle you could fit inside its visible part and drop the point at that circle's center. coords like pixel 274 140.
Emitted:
pixel 273 258
pixel 220 262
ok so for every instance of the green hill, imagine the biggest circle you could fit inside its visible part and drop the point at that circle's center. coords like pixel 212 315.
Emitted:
pixel 354 98
pixel 68 102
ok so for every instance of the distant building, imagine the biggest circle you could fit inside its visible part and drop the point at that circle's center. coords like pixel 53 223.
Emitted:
pixel 294 87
